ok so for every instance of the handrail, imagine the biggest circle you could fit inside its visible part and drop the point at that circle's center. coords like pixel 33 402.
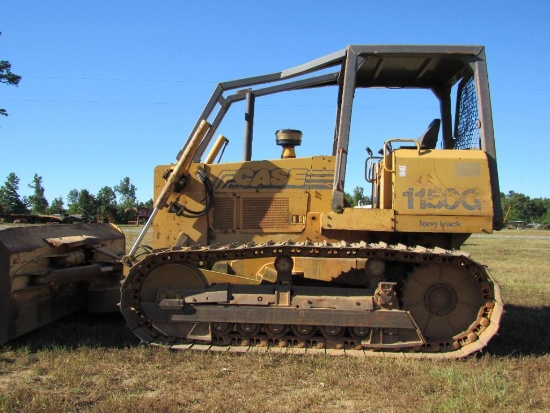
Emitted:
pixel 387 149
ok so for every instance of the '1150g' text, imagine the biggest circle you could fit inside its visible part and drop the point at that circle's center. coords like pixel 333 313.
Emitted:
pixel 446 198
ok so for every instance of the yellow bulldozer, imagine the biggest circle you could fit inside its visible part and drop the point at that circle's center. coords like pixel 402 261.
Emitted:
pixel 267 252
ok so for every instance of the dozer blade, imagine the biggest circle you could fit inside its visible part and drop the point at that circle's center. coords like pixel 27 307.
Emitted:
pixel 48 272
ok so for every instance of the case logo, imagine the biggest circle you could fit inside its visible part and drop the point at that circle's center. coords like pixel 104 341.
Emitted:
pixel 248 178
pixel 262 177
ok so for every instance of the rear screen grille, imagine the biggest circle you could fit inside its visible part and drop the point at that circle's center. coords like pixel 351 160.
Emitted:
pixel 265 213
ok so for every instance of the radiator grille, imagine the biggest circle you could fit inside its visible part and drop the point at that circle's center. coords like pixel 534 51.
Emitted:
pixel 224 213
pixel 265 213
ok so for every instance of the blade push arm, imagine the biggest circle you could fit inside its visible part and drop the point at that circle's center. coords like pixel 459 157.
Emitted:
pixel 181 169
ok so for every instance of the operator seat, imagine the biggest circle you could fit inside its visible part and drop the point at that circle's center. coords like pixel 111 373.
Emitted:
pixel 428 140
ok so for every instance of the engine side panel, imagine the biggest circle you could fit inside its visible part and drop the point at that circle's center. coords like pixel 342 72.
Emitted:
pixel 254 201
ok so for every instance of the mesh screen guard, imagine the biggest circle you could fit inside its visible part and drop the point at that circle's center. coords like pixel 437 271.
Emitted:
pixel 467 132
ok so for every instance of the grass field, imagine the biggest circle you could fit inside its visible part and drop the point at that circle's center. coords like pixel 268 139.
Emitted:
pixel 93 363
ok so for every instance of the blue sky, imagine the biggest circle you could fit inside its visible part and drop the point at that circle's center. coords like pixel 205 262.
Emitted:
pixel 112 88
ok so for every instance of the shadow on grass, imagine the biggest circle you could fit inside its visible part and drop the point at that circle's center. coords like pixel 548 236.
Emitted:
pixel 79 330
pixel 523 331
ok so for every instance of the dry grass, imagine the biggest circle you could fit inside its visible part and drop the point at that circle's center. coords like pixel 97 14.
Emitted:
pixel 93 363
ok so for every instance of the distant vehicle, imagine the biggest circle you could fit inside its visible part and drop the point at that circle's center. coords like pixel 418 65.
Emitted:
pixel 515 224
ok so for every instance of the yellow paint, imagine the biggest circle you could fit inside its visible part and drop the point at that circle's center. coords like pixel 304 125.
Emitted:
pixel 218 145
pixel 169 227
pixel 214 277
pixel 443 224
pixel 441 182
pixel 257 201
pixel 359 219
pixel 420 191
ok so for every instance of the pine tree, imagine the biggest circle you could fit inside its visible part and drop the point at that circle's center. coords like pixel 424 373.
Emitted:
pixel 7 77
pixel 38 202
pixel 56 206
pixel 10 201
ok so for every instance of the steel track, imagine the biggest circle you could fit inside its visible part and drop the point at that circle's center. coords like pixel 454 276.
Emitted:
pixel 471 340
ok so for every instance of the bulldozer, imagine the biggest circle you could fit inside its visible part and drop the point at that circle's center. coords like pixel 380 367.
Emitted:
pixel 268 253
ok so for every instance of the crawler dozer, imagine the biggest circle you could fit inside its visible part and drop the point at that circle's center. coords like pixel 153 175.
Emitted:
pixel 267 253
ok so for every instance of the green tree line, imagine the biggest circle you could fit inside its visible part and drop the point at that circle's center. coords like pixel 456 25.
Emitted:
pixel 109 204
pixel 519 207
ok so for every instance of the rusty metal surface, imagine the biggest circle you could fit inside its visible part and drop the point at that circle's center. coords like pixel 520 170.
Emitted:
pixel 72 241
pixel 70 275
pixel 32 238
pixel 39 269
pixel 275 315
